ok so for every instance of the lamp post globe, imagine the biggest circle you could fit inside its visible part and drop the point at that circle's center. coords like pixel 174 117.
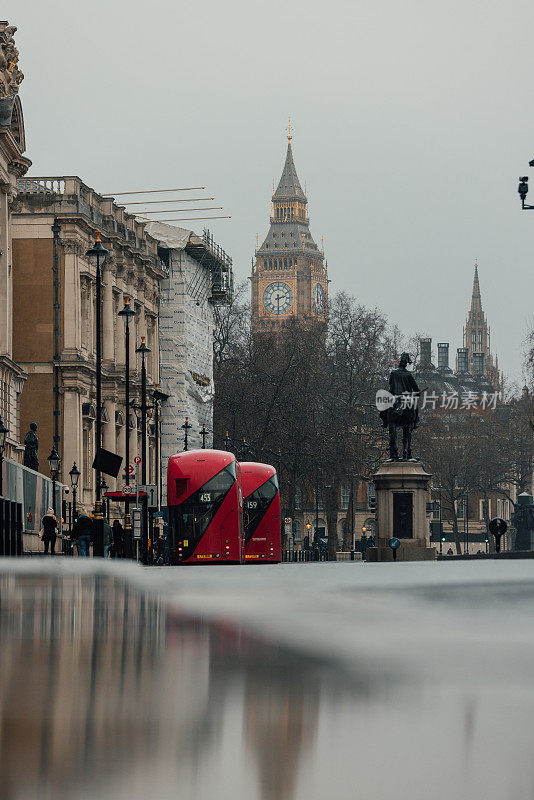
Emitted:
pixel 96 255
pixel 54 463
pixel 74 476
pixel 74 479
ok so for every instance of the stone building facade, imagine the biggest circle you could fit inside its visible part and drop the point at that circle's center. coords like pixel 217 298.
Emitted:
pixel 289 275
pixel 199 276
pixel 13 165
pixel 132 269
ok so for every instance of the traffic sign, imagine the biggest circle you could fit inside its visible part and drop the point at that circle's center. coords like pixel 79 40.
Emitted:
pixel 151 494
pixel 131 470
pixel 127 489
pixel 137 460
pixel 394 543
pixel 136 523
pixel 498 526
pixel 287 520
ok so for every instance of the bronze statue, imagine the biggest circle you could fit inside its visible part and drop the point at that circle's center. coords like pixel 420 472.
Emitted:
pixel 404 412
pixel 31 445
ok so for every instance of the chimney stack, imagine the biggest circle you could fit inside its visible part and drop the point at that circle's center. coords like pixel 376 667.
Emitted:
pixel 462 359
pixel 426 352
pixel 443 356
pixel 478 363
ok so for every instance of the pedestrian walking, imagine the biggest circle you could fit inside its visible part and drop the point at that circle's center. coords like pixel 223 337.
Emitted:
pixel 49 527
pixel 118 544
pixel 107 537
pixel 82 533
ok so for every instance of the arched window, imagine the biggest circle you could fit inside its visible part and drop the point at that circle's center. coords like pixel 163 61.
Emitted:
pixel 285 263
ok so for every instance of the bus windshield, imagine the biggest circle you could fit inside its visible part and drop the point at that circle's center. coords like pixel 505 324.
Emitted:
pixel 257 503
pixel 191 518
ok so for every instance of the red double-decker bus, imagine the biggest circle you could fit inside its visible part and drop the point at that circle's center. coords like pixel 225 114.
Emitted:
pixel 205 507
pixel 261 501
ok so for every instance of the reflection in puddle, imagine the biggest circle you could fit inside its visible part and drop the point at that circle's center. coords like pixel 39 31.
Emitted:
pixel 104 691
pixel 107 692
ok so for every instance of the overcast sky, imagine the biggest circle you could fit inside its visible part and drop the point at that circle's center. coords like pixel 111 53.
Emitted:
pixel 412 119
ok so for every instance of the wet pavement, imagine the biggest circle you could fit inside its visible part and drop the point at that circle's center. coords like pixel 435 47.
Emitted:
pixel 320 681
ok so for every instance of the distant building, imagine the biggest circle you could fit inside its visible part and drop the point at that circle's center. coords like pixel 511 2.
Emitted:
pixel 13 165
pixel 289 275
pixel 198 276
pixel 133 269
pixel 477 339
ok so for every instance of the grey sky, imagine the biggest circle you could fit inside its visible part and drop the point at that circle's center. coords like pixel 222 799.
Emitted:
pixel 413 121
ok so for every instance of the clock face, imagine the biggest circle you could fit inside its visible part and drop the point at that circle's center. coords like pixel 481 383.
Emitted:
pixel 278 298
pixel 318 298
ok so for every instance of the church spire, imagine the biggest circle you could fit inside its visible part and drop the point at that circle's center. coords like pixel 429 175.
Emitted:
pixel 289 187
pixel 476 300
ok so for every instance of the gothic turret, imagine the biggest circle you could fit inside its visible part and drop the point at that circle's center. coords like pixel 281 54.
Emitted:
pixel 477 339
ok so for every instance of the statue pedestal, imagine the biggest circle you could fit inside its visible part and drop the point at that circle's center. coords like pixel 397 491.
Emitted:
pixel 402 492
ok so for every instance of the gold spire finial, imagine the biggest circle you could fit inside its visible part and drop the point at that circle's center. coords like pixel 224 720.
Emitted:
pixel 289 129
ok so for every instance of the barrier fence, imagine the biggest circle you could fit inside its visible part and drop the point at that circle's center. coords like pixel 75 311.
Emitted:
pixel 10 528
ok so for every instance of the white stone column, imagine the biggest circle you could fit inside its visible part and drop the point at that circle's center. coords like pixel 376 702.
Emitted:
pixel 108 436
pixel 72 315
pixel 72 434
pixel 6 284
pixel 108 349
pixel 121 335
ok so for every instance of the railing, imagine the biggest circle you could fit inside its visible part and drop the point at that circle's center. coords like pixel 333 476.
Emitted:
pixel 304 556
pixel 215 250
pixel 41 186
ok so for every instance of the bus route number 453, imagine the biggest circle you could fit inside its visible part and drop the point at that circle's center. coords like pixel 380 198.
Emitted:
pixel 205 497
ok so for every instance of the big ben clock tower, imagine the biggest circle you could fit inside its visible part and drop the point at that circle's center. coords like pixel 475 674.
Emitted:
pixel 289 277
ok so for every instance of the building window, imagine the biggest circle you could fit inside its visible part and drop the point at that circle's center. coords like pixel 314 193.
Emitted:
pixel 345 495
pixel 371 496
pixel 460 508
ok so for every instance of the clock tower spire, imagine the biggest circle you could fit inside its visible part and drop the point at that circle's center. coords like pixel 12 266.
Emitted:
pixel 289 276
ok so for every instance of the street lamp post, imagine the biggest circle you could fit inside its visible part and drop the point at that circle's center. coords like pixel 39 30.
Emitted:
pixel 96 255
pixel 104 487
pixel 74 478
pixel 226 440
pixel 186 427
pixel 143 350
pixel 3 435
pixel 127 313
pixel 54 463
pixel 159 397
pixel 203 433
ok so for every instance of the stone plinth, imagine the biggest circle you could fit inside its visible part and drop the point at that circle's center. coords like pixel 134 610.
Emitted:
pixel 402 492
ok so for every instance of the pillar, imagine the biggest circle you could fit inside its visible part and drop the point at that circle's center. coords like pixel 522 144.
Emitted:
pixel 108 343
pixel 108 434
